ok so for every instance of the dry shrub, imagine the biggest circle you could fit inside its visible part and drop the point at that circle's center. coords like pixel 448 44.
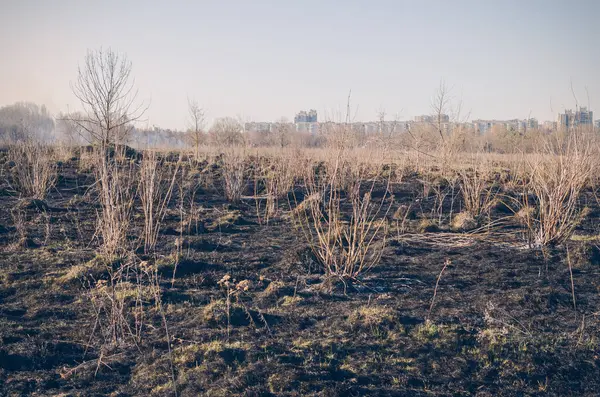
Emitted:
pixel 557 177
pixel 346 246
pixel 275 177
pixel 353 173
pixel 157 179
pixel 234 170
pixel 34 170
pixel 115 184
pixel 478 196
pixel 120 302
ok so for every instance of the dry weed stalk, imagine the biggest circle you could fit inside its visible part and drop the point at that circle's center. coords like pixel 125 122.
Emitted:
pixel 122 302
pixel 345 247
pixel 157 179
pixel 118 304
pixel 447 262
pixel 34 171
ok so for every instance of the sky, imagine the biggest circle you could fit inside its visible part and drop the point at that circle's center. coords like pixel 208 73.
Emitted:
pixel 266 59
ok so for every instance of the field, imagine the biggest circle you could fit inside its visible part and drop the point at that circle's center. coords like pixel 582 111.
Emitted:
pixel 298 273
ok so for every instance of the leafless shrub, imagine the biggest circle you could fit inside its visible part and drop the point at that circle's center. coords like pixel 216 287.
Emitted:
pixel 352 173
pixel 276 178
pixel 115 184
pixel 477 194
pixel 18 218
pixel 122 301
pixel 118 304
pixel 346 247
pixel 34 170
pixel 557 177
pixel 156 182
pixel 234 169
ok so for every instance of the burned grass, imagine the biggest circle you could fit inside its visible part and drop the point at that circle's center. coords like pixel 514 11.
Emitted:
pixel 503 322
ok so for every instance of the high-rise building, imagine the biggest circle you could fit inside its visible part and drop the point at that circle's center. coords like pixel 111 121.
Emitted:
pixel 566 120
pixel 307 121
pixel 306 117
pixel 584 116
pixel 426 118
pixel 570 119
pixel 516 125
pixel 527 124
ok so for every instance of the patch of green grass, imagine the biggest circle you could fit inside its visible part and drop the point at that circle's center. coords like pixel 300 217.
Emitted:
pixel 291 300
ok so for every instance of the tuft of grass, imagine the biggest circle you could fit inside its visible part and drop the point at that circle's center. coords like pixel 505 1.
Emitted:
pixel 372 316
pixel 216 313
pixel 274 290
pixel 226 220
pixel 94 268
pixel 428 226
pixel 463 221
pixel 291 300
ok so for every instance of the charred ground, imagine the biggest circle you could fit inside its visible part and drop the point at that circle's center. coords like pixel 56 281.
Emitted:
pixel 503 321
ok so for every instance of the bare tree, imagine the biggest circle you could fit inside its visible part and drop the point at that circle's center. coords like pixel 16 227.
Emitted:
pixel 387 129
pixel 196 133
pixel 226 131
pixel 439 106
pixel 106 90
pixel 281 131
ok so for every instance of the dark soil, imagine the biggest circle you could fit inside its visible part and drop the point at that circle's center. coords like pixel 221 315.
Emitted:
pixel 503 322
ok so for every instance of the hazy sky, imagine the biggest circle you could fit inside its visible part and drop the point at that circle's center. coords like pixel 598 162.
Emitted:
pixel 265 59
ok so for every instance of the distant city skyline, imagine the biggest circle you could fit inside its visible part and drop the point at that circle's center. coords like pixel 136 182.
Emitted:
pixel 261 61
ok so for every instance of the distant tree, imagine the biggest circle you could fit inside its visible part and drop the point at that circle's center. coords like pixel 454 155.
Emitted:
pixel 440 106
pixel 24 120
pixel 387 130
pixel 226 131
pixel 69 131
pixel 106 90
pixel 195 132
pixel 281 132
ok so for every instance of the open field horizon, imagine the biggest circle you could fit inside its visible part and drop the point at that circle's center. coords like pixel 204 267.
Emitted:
pixel 155 240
